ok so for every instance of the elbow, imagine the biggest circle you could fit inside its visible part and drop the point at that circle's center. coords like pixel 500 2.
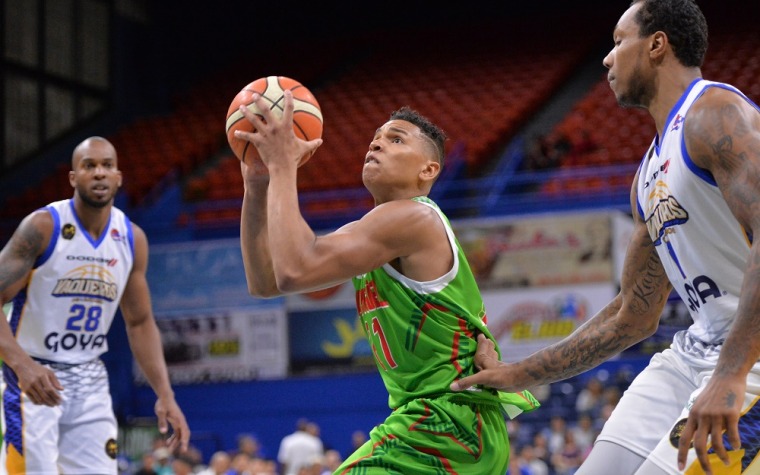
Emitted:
pixel 289 281
pixel 651 329
pixel 263 291
pixel 287 284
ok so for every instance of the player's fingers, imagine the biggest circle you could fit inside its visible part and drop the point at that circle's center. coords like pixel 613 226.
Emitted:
pixel 313 145
pixel 184 436
pixel 716 439
pixel 684 444
pixel 172 443
pixel 700 447
pixel 287 112
pixel 54 381
pixel 163 426
pixel 31 393
pixel 43 396
pixel 46 392
pixel 264 111
pixel 485 344
pixel 249 113
pixel 247 136
pixel 732 431
pixel 464 383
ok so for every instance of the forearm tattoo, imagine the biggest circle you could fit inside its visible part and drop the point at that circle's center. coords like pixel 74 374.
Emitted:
pixel 605 335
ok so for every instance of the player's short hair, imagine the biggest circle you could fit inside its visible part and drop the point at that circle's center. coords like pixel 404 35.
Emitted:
pixel 429 129
pixel 682 21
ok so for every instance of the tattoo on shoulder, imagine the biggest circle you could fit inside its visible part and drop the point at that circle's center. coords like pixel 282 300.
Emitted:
pixel 27 243
pixel 22 250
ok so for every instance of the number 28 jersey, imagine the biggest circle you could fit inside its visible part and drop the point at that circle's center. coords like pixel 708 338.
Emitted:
pixel 64 312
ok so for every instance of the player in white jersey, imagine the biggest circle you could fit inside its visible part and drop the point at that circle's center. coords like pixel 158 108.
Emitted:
pixel 696 208
pixel 67 269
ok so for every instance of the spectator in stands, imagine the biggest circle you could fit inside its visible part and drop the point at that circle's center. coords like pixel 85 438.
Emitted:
pixel 409 272
pixel 147 462
pixel 517 465
pixel 568 459
pixel 332 461
pixel 519 433
pixel 313 467
pixel 541 448
pixel 555 433
pixel 358 438
pixel 182 465
pixel 584 432
pixel 248 444
pixel 590 398
pixel 536 465
pixel 239 464
pixel 162 461
pixel 219 464
pixel 262 466
pixel 695 206
pixel 299 448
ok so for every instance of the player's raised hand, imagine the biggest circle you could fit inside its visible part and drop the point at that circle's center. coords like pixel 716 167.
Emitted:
pixel 274 138
pixel 492 372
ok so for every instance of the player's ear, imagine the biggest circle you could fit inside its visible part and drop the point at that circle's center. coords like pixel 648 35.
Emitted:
pixel 659 44
pixel 431 170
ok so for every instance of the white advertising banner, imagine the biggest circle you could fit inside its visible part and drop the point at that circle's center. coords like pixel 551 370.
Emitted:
pixel 212 330
pixel 544 250
pixel 231 345
pixel 526 320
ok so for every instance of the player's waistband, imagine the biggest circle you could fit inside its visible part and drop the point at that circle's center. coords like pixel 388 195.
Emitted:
pixel 60 365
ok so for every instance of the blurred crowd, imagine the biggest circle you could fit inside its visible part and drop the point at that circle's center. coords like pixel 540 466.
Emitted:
pixel 300 453
pixel 555 444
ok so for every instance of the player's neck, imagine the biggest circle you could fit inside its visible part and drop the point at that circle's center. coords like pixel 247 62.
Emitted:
pixel 93 219
pixel 670 89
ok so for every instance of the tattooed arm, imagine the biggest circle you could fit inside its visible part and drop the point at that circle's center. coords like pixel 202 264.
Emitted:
pixel 629 318
pixel 16 262
pixel 723 136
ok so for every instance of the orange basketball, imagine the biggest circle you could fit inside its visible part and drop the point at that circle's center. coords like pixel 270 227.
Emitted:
pixel 307 115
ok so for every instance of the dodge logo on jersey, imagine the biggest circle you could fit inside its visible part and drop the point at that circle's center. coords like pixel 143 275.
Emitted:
pixel 100 260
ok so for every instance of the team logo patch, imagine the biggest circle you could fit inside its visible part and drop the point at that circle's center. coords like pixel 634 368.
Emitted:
pixel 112 448
pixel 117 236
pixel 68 231
pixel 675 434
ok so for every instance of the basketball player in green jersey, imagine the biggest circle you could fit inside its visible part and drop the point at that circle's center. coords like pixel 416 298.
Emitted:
pixel 415 293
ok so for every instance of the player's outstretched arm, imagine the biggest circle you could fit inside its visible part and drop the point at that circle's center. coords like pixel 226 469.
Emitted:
pixel 629 318
pixel 145 342
pixel 722 134
pixel 16 261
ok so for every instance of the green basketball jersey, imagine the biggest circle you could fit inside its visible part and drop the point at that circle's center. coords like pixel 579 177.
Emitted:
pixel 423 334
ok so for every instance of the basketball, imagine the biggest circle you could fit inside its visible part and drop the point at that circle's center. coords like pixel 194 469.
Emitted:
pixel 307 115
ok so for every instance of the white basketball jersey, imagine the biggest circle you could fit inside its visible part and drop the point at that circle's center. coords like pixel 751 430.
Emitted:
pixel 702 246
pixel 67 307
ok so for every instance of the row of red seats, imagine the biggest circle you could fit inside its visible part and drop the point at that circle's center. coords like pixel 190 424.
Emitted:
pixel 479 102
pixel 617 135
